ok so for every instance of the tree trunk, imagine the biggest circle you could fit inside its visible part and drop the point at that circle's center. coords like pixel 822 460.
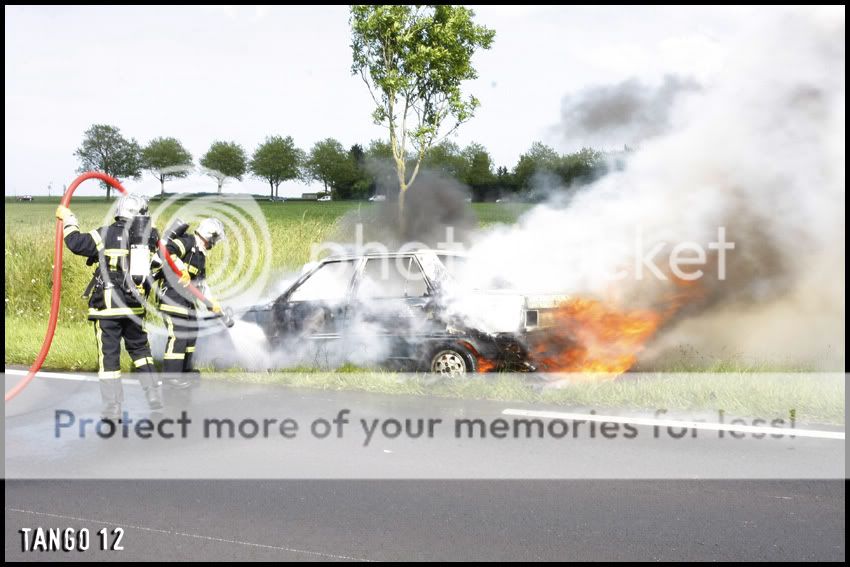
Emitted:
pixel 402 188
pixel 402 224
pixel 108 191
pixel 162 187
pixel 220 183
pixel 271 190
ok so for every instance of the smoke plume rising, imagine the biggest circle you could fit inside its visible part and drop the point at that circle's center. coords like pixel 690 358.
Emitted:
pixel 434 202
pixel 760 152
pixel 624 114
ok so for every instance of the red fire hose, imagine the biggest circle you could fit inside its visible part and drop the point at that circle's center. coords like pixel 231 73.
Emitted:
pixel 57 278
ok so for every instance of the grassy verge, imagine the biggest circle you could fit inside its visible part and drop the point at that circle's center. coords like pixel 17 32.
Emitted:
pixel 738 389
pixel 814 398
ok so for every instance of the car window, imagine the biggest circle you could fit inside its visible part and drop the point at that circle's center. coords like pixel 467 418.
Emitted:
pixel 386 278
pixel 445 270
pixel 453 264
pixel 329 283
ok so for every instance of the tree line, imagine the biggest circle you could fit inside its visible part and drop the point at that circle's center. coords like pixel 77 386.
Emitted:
pixel 356 172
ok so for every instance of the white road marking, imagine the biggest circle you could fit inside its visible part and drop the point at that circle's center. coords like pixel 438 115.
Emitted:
pixel 54 375
pixel 183 534
pixel 786 431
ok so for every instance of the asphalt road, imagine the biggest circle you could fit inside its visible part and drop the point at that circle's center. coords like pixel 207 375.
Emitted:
pixel 439 520
pixel 418 507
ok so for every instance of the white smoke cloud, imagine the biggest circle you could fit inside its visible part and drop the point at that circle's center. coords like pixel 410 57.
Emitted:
pixel 760 151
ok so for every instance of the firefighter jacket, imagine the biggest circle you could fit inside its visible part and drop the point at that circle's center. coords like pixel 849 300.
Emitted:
pixel 112 292
pixel 175 299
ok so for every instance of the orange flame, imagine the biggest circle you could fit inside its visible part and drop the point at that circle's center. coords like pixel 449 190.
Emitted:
pixel 484 365
pixel 592 336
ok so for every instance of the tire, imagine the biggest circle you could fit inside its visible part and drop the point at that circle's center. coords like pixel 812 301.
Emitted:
pixel 452 361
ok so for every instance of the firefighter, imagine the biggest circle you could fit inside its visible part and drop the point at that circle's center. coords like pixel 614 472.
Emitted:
pixel 179 308
pixel 122 253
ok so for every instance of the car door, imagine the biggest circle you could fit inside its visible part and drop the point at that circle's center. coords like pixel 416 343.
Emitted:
pixel 390 296
pixel 315 307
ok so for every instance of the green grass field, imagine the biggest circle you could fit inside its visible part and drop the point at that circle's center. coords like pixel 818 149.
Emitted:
pixel 294 227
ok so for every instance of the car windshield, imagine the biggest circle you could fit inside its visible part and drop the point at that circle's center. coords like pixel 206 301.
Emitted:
pixel 329 283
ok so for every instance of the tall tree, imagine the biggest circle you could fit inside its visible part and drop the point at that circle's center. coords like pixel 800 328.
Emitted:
pixel 223 160
pixel 504 180
pixel 166 158
pixel 331 165
pixel 105 149
pixel 379 149
pixel 357 154
pixel 581 166
pixel 479 172
pixel 447 158
pixel 362 181
pixel 277 160
pixel 413 59
pixel 382 175
pixel 538 159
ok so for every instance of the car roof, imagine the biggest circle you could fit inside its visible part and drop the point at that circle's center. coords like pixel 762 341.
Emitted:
pixel 353 256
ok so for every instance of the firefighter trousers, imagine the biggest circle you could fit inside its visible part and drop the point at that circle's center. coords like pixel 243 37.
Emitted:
pixel 109 333
pixel 180 348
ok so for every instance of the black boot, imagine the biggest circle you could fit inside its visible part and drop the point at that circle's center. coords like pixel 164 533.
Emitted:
pixel 173 377
pixel 192 374
pixel 150 385
pixel 176 382
pixel 111 395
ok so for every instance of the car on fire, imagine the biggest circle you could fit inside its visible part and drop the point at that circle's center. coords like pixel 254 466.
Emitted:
pixel 412 304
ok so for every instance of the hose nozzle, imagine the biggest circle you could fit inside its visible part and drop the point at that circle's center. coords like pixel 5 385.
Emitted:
pixel 227 317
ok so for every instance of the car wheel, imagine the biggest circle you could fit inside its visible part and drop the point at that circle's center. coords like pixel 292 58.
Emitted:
pixel 452 361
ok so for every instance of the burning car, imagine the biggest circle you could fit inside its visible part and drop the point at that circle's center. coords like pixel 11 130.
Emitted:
pixel 410 309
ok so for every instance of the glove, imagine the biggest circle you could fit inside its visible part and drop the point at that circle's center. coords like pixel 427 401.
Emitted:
pixel 215 307
pixel 63 213
pixel 184 279
pixel 67 217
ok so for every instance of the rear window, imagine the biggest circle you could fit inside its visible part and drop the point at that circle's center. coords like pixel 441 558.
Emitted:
pixel 392 278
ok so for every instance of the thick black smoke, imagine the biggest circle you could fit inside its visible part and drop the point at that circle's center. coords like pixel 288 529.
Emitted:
pixel 435 211
pixel 611 116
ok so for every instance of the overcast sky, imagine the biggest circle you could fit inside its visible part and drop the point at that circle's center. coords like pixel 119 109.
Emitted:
pixel 243 73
